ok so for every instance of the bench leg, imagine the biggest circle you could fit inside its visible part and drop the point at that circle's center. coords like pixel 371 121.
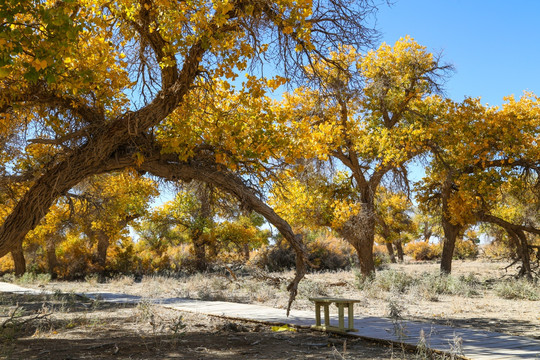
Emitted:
pixel 318 314
pixel 341 317
pixel 326 315
pixel 351 316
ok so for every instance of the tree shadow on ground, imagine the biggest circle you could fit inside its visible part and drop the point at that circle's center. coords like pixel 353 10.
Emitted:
pixel 505 326
pixel 30 303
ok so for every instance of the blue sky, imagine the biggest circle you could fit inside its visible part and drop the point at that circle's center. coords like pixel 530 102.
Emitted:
pixel 493 45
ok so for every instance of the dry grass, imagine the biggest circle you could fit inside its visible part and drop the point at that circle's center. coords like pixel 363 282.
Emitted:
pixel 472 296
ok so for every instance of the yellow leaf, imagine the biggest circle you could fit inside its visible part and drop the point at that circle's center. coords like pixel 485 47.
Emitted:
pixel 283 328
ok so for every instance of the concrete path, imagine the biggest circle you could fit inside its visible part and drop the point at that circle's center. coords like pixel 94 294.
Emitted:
pixel 472 344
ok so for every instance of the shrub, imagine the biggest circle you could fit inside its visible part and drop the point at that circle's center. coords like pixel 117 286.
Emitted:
pixel 430 285
pixel 520 289
pixel 278 257
pixel 427 285
pixel 380 256
pixel 324 251
pixel 465 250
pixel 422 250
pixel 6 265
pixel 386 280
pixel 394 281
pixel 498 250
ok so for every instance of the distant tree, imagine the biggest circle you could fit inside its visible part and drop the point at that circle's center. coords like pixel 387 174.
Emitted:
pixel 394 222
pixel 471 164
pixel 371 116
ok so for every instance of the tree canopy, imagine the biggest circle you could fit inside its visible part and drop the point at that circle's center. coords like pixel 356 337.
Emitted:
pixel 95 92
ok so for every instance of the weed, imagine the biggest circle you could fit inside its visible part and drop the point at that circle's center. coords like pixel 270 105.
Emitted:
pixel 177 326
pixel 423 350
pixel 395 313
pixel 456 347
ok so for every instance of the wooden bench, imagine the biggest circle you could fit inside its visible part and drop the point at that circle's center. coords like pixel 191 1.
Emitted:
pixel 341 304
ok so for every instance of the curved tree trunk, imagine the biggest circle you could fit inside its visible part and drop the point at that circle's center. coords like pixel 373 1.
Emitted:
pixel 17 255
pixel 168 167
pixel 104 139
pixel 517 235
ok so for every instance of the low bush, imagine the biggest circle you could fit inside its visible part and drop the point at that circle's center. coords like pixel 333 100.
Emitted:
pixel 422 250
pixel 380 256
pixel 427 285
pixel 324 252
pixel 465 250
pixel 430 285
pixel 518 289
pixel 497 250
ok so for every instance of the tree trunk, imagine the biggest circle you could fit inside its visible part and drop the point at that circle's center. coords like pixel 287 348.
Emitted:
pixel 399 248
pixel 204 217
pixel 523 252
pixel 168 167
pixel 199 248
pixel 103 242
pixel 359 231
pixel 451 233
pixel 17 255
pixel 245 251
pixel 52 260
pixel 427 232
pixel 390 249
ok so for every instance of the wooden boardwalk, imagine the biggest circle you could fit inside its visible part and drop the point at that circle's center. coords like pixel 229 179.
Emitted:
pixel 469 343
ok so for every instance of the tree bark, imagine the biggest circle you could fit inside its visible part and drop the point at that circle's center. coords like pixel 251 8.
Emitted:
pixel 451 233
pixel 359 231
pixel 52 260
pixel 400 252
pixel 390 249
pixel 17 254
pixel 103 242
pixel 245 251
pixel 523 251
pixel 451 230
pixel 199 249
pixel 204 216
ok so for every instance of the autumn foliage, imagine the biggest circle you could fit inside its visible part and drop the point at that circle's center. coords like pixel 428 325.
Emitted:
pixel 103 102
